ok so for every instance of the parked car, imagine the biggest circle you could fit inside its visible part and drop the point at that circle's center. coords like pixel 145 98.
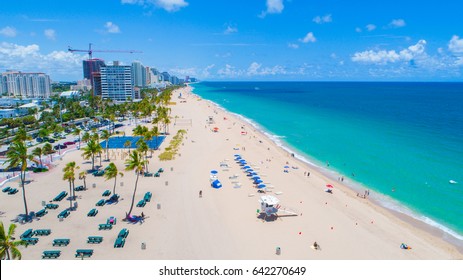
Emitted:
pixel 60 146
pixel 39 139
pixel 68 143
pixel 51 140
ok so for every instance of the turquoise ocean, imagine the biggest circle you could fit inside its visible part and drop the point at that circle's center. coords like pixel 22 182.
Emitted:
pixel 402 141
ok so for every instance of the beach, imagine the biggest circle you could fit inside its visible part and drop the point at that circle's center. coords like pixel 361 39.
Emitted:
pixel 223 223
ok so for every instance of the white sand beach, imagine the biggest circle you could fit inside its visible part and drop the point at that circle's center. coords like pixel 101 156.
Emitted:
pixel 223 223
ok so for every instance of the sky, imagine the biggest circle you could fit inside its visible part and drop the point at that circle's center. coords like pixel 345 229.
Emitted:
pixel 242 40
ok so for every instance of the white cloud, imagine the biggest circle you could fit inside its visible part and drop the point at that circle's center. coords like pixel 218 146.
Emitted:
pixel 397 23
pixel 308 38
pixel 358 29
pixel 456 44
pixel 30 59
pixel 168 5
pixel 370 27
pixel 8 31
pixel 273 7
pixel 256 69
pixel 206 71
pixel 293 46
pixel 50 34
pixel 111 27
pixel 323 19
pixel 392 56
pixel 230 30
pixel 229 71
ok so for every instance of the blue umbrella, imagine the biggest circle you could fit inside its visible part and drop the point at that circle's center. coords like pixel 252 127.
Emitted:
pixel 237 155
pixel 255 177
pixel 258 181
pixel 286 166
pixel 247 167
pixel 216 184
pixel 214 172
pixel 250 170
pixel 253 173
pixel 261 186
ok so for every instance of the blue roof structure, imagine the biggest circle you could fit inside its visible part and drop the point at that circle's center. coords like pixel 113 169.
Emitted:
pixel 119 141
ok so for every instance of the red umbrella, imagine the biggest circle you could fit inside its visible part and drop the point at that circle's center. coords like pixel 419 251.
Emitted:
pixel 329 186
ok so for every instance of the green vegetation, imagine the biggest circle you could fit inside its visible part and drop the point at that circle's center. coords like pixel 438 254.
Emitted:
pixel 8 243
pixel 171 151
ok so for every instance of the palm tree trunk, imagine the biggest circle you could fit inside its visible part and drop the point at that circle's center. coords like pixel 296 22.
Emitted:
pixel 85 185
pixel 23 177
pixel 93 162
pixel 133 196
pixel 114 188
pixel 73 190
pixel 107 149
pixel 41 165
pixel 100 159
pixel 70 193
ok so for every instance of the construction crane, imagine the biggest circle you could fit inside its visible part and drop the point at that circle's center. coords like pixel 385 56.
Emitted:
pixel 90 51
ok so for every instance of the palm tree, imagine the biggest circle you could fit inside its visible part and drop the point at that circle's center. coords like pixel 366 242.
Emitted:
pixel 105 135
pixel 76 132
pixel 91 150
pixel 134 162
pixel 86 137
pixel 47 149
pixel 128 144
pixel 21 135
pixel 38 152
pixel 140 130
pixel 69 176
pixel 155 133
pixel 112 172
pixel 82 176
pixel 71 168
pixel 8 244
pixel 17 157
pixel 143 148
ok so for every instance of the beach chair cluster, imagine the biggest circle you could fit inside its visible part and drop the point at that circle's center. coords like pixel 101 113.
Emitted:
pixel 106 193
pixel 156 174
pixel 251 173
pixel 105 226
pixel 51 206
pixel 101 202
pixel 60 196
pixel 146 198
pixel 42 232
pixel 10 190
pixel 98 173
pixel 84 253
pixel 61 242
pixel 92 213
pixel 120 240
pixel 53 254
pixel 27 236
pixel 64 214
pixel 113 199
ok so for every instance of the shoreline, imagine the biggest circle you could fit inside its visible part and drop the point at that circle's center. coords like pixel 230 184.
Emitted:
pixel 408 217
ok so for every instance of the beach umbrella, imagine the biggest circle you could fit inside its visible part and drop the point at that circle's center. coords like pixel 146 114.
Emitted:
pixel 255 177
pixel 253 173
pixel 329 186
pixel 261 186
pixel 250 170
pixel 286 166
pixel 237 155
pixel 214 172
pixel 216 184
pixel 258 181
pixel 246 167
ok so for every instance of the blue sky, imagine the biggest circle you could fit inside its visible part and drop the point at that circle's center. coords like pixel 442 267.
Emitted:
pixel 305 40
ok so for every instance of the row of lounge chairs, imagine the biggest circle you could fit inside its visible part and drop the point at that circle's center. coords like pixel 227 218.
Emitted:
pixel 51 206
pixel 156 174
pixel 60 196
pixel 10 190
pixel 80 188
pixel 64 214
pixel 61 242
pixel 41 212
pixel 146 198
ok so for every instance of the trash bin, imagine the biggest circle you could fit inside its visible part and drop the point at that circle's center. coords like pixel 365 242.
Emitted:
pixel 278 251
pixel 171 169
pixel 167 183
pixel 159 206
pixel 143 245
pixel 61 219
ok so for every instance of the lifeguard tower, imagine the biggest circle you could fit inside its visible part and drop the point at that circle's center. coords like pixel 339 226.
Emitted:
pixel 269 206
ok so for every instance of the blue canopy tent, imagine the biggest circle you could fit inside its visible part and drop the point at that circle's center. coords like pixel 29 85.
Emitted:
pixel 216 184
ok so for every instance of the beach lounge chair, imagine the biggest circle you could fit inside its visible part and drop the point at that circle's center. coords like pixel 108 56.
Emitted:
pixel 106 193
pixel 114 198
pixel 61 242
pixel 41 213
pixel 84 253
pixel 157 174
pixel 6 189
pixel 12 191
pixel 60 196
pixel 141 203
pixel 111 220
pixel 51 254
pixel 64 214
pixel 42 232
pixel 119 243
pixel 51 206
pixel 148 196
pixel 79 188
pixel 105 226
pixel 92 213
pixel 148 174
pixel 94 239
pixel 101 202
pixel 160 170
pixel 98 173
pixel 31 240
pixel 27 234
pixel 123 233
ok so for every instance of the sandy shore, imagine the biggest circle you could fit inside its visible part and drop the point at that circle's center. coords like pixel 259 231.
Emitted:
pixel 223 224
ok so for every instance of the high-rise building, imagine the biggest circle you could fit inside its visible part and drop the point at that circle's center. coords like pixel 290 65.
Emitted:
pixel 26 85
pixel 117 82
pixel 91 66
pixel 96 82
pixel 139 74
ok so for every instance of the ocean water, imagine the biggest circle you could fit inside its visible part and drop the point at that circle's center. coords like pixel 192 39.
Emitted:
pixel 406 137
